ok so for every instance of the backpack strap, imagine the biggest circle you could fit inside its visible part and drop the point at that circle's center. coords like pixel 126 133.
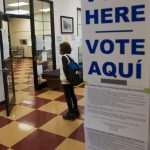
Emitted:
pixel 68 57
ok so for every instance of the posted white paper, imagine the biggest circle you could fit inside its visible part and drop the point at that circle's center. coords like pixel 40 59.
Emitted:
pixel 5 43
pixel 97 140
pixel 119 112
pixel 44 56
pixel 39 43
pixel 39 70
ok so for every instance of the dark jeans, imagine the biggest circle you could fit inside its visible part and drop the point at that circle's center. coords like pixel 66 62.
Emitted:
pixel 70 97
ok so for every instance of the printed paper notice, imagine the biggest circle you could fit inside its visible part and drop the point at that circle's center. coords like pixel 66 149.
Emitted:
pixel 96 140
pixel 5 43
pixel 48 43
pixel 44 56
pixel 39 43
pixel 39 70
pixel 117 111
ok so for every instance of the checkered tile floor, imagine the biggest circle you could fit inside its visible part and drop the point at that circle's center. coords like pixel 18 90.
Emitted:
pixel 36 121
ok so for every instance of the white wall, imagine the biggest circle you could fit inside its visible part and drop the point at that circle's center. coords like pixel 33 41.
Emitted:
pixel 66 8
pixel 1 6
pixel 1 77
pixel 20 29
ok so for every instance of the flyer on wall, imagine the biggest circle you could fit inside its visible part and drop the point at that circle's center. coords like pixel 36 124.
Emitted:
pixel 98 140
pixel 120 112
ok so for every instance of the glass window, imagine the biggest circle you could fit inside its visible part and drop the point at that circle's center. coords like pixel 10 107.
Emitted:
pixel 79 29
pixel 17 7
pixel 43 38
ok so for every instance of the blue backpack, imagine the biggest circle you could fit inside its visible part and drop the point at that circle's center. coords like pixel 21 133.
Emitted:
pixel 74 71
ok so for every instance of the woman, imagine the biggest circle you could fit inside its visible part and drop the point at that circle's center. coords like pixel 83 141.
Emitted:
pixel 73 112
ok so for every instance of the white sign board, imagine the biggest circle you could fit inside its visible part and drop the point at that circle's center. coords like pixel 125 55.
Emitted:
pixel 116 50
pixel 116 41
pixel 122 112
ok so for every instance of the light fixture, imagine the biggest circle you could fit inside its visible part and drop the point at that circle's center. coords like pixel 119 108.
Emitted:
pixel 18 12
pixel 18 4
pixel 45 10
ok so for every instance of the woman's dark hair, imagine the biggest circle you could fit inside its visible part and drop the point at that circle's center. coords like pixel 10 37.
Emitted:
pixel 65 48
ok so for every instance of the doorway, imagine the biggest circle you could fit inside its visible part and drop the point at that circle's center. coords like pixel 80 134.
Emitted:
pixel 43 37
pixel 41 16
pixel 21 50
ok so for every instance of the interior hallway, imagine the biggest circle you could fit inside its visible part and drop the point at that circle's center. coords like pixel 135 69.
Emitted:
pixel 36 121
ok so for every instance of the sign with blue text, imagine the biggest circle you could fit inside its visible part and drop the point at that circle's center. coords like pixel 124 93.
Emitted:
pixel 116 42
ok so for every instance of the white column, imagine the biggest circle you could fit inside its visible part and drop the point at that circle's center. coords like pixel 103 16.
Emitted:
pixel 1 83
pixel 1 77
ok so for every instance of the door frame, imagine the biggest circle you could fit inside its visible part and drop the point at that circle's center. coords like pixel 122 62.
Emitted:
pixel 31 17
pixel 37 87
pixel 9 105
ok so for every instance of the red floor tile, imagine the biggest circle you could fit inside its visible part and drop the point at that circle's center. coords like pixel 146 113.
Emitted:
pixel 15 66
pixel 2 147
pixel 63 99
pixel 41 91
pixel 78 134
pixel 16 72
pixel 4 122
pixel 36 118
pixel 15 78
pixel 2 107
pixel 33 92
pixel 35 102
pixel 39 140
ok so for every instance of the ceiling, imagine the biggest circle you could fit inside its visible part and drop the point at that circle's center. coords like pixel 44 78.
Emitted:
pixel 38 5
